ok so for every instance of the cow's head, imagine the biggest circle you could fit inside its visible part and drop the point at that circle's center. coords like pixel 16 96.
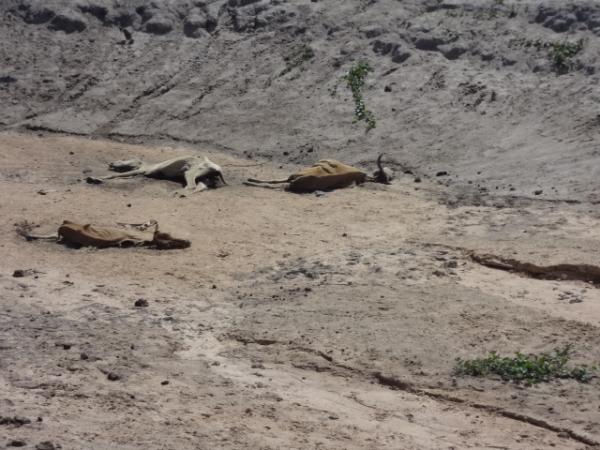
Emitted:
pixel 212 174
pixel 383 175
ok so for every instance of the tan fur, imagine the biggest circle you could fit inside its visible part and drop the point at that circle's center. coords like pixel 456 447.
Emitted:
pixel 325 175
pixel 328 174
pixel 87 235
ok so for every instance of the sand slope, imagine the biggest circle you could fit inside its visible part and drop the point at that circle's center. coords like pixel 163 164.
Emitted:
pixel 470 88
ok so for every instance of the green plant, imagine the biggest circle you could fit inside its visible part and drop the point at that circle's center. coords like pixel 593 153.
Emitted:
pixel 562 53
pixel 529 369
pixel 355 80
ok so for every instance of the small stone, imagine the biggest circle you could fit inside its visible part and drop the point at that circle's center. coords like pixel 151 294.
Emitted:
pixel 198 25
pixel 441 173
pixel 141 303
pixel 387 89
pixel 452 51
pixel 417 179
pixel 84 356
pixel 47 445
pixel 164 382
pixel 16 443
pixel 538 192
pixel 159 25
pixel 399 55
pixel 111 376
pixel 19 273
pixel 69 22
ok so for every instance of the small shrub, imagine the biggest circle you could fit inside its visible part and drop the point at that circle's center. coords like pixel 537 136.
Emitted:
pixel 538 44
pixel 562 53
pixel 528 369
pixel 355 80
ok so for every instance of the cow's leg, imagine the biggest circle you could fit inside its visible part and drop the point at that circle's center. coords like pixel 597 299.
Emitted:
pixel 200 187
pixel 254 180
pixel 192 175
pixel 45 237
pixel 131 173
pixel 125 165
pixel 190 179
pixel 267 186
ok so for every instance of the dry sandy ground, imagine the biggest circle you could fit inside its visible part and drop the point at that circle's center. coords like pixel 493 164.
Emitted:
pixel 293 321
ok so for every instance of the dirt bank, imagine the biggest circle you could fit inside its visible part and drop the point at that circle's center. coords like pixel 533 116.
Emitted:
pixel 502 96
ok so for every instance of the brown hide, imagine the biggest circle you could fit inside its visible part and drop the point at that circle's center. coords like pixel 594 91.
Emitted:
pixel 325 175
pixel 90 236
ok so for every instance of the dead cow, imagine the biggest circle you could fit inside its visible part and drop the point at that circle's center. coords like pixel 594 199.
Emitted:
pixel 198 172
pixel 328 174
pixel 129 235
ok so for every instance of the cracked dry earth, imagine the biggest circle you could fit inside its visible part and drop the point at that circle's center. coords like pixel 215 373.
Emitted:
pixel 293 321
